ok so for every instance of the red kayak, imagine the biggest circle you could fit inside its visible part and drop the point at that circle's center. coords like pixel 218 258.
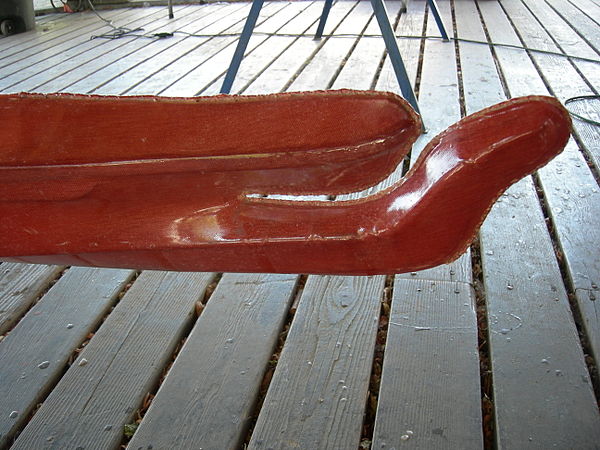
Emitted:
pixel 166 183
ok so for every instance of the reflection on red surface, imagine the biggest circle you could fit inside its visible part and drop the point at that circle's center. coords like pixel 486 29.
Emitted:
pixel 157 183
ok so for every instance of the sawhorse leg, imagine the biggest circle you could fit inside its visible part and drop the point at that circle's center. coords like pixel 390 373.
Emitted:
pixel 432 5
pixel 392 48
pixel 241 46
pixel 390 42
pixel 324 15
pixel 170 6
pixel 438 20
pixel 386 30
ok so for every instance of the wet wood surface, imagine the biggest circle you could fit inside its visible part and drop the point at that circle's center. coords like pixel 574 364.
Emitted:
pixel 33 356
pixel 227 352
pixel 20 286
pixel 539 263
pixel 99 393
pixel 420 301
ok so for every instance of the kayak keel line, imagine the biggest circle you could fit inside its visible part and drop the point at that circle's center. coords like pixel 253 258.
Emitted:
pixel 180 183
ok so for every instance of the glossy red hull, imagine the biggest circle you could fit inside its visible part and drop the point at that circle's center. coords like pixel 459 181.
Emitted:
pixel 173 196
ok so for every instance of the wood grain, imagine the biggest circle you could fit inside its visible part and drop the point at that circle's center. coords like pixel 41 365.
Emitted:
pixel 432 401
pixel 34 69
pixel 542 391
pixel 105 385
pixel 428 397
pixel 572 201
pixel 128 49
pixel 318 392
pixel 527 351
pixel 20 286
pixel 35 353
pixel 219 53
pixel 120 67
pixel 297 18
pixel 320 70
pixel 563 182
pixel 206 400
pixel 54 34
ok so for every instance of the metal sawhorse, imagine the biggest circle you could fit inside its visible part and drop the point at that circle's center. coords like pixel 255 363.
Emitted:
pixel 384 25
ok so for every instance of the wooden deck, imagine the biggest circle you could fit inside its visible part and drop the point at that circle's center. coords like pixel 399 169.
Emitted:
pixel 496 350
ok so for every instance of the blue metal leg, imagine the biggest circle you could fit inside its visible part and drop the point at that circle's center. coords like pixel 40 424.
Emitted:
pixel 241 46
pixel 324 15
pixel 438 19
pixel 392 47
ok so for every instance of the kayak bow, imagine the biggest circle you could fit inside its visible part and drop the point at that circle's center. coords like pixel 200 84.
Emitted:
pixel 163 183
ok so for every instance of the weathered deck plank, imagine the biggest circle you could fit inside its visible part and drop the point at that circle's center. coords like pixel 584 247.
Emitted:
pixel 542 390
pixel 215 63
pixel 128 49
pixel 572 199
pixel 120 68
pixel 426 397
pixel 122 362
pixel 42 65
pixel 566 37
pixel 432 314
pixel 323 67
pixel 319 389
pixel 261 53
pixel 170 50
pixel 59 30
pixel 591 8
pixel 568 184
pixel 536 399
pixel 411 24
pixel 317 396
pixel 278 74
pixel 20 286
pixel 585 27
pixel 175 69
pixel 206 399
pixel 35 353
pixel 569 41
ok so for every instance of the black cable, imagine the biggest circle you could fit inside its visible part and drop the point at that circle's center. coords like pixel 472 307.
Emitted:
pixel 118 32
pixel 578 116
pixel 122 31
